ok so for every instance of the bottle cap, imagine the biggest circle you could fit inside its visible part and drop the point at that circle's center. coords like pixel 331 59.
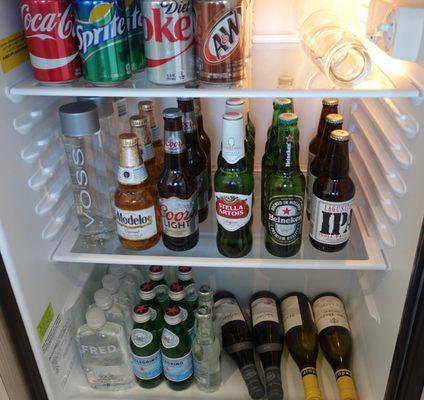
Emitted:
pixel 103 299
pixel 118 270
pixel 137 121
pixel 234 101
pixel 176 291
pixel 288 118
pixel 203 312
pixel 185 273
pixel 147 291
pixel 79 119
pixel 141 314
pixel 205 291
pixel 145 105
pixel 282 101
pixel 173 315
pixel 340 135
pixel 128 139
pixel 104 105
pixel 330 101
pixel 334 118
pixel 95 317
pixel 172 112
pixel 156 272
pixel 233 115
pixel 110 282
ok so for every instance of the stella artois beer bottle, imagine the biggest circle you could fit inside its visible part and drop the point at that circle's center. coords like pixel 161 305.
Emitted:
pixel 233 191
pixel 284 192
pixel 332 198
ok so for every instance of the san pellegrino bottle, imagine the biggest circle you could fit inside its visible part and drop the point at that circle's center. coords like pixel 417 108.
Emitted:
pixel 148 298
pixel 157 277
pixel 284 192
pixel 237 341
pixel 145 349
pixel 177 359
pixel 206 352
pixel 177 297
pixel 335 340
pixel 104 353
pixel 185 277
pixel 268 339
pixel 233 191
pixel 302 340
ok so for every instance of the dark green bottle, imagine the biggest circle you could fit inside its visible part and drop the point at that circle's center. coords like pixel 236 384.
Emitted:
pixel 145 349
pixel 233 191
pixel 157 277
pixel 284 192
pixel 185 277
pixel 281 106
pixel 177 297
pixel 148 297
pixel 177 360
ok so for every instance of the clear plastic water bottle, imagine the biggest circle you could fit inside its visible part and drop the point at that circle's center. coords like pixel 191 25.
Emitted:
pixel 127 283
pixel 112 283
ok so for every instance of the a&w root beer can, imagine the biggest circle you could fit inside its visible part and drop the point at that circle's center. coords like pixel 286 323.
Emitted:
pixel 169 41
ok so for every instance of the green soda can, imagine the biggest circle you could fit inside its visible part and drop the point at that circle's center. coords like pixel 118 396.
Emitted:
pixel 101 29
pixel 135 34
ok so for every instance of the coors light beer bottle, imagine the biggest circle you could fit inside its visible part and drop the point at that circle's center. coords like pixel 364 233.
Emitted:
pixel 177 188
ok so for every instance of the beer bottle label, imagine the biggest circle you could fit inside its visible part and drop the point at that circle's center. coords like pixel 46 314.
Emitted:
pixel 264 309
pixel 178 369
pixel 155 132
pixel 285 219
pixel 132 176
pixel 148 367
pixel 202 184
pixel 179 216
pixel 290 311
pixel 141 338
pixel 233 211
pixel 310 190
pixel 330 221
pixel 147 151
pixel 174 142
pixel 137 224
pixel 329 311
pixel 228 310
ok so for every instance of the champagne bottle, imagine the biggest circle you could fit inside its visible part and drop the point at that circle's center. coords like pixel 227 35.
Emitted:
pixel 237 342
pixel 335 340
pixel 268 340
pixel 302 340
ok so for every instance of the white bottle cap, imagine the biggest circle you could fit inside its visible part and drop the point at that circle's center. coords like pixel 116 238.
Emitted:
pixel 95 317
pixel 117 270
pixel 141 314
pixel 185 273
pixel 103 299
pixel 147 291
pixel 110 282
pixel 156 273
pixel 176 291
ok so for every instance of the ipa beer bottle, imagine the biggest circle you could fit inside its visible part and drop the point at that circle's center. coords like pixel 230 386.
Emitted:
pixel 197 160
pixel 335 340
pixel 302 340
pixel 268 340
pixel 136 203
pixel 284 192
pixel 157 277
pixel 148 298
pixel 332 122
pixel 233 191
pixel 177 188
pixel 332 199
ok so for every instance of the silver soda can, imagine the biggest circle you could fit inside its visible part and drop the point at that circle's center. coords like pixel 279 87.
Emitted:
pixel 169 41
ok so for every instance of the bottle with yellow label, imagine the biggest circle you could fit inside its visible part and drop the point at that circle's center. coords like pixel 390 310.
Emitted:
pixel 335 340
pixel 301 340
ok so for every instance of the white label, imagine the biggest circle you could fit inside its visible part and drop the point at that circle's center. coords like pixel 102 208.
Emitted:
pixel 228 310
pixel 233 148
pixel 136 225
pixel 147 152
pixel 169 339
pixel 174 142
pixel 132 176
pixel 141 338
pixel 147 367
pixel 329 311
pixel 177 369
pixel 290 312
pixel 310 190
pixel 154 130
pixel 330 221
pixel 179 217
pixel 264 309
pixel 233 211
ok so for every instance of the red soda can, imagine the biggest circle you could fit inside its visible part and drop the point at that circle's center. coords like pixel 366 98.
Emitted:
pixel 50 33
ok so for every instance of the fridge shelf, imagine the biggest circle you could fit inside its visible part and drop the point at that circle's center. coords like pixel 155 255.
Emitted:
pixel 273 70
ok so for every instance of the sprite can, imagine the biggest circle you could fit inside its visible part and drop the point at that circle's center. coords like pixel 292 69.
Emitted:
pixel 101 29
pixel 135 34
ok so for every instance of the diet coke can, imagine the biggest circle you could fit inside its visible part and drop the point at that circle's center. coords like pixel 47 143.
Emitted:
pixel 50 33
pixel 169 41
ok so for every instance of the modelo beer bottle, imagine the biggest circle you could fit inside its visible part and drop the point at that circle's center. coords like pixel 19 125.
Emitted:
pixel 177 188
pixel 332 199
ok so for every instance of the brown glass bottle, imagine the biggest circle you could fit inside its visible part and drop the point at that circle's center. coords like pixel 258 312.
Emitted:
pixel 136 203
pixel 177 188
pixel 329 106
pixel 204 141
pixel 332 122
pixel 197 160
pixel 332 199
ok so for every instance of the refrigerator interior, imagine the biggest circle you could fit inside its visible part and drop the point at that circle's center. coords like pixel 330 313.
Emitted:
pixel 53 278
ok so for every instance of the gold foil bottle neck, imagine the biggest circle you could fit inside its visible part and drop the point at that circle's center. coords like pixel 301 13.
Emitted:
pixel 129 153
pixel 145 105
pixel 138 120
pixel 330 101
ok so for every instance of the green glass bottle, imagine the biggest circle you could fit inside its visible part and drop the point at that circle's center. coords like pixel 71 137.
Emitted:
pixel 233 191
pixel 185 277
pixel 148 297
pixel 177 296
pixel 284 192
pixel 145 349
pixel 177 359
pixel 281 106
pixel 157 277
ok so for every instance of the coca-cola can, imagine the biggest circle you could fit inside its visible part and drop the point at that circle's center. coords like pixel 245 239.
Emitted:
pixel 50 33
pixel 168 27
